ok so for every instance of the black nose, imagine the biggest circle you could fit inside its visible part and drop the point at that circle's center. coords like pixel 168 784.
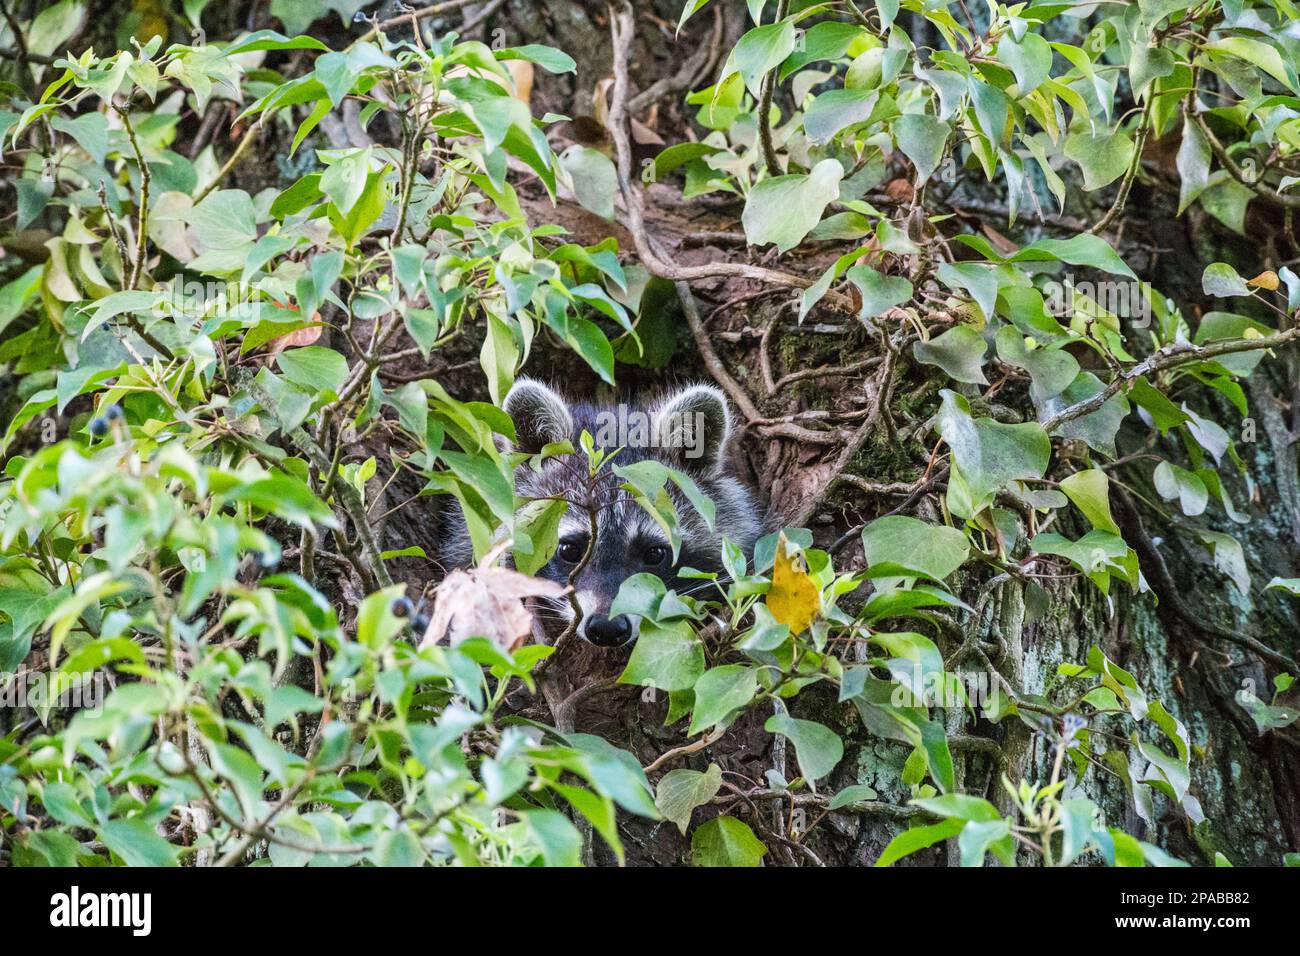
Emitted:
pixel 608 631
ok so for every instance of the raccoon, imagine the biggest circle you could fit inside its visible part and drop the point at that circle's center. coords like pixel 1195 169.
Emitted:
pixel 688 429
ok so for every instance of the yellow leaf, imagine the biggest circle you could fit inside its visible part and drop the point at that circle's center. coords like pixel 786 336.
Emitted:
pixel 1265 280
pixel 793 598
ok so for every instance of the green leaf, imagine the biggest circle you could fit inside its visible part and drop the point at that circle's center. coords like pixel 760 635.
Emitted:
pixel 314 367
pixel 595 181
pixel 1222 280
pixel 1090 492
pixel 879 292
pixel 1258 53
pixel 959 352
pixel 918 838
pixel 1051 370
pixel 666 656
pixel 1172 482
pixel 540 522
pixel 399 848
pixel 1097 428
pixel 138 843
pixel 726 841
pixel 1193 165
pixel 1104 157
pixel 1291 585
pixel 932 550
pixel 978 280
pixel 1080 250
pixel 857 793
pixel 784 209
pixel 837 110
pixel 987 455
pixel 1228 558
pixel 557 838
pixel 1030 59
pixel 681 791
pixel 817 747
pixel 721 690
pixel 270 40
pixel 547 57
pixel 922 138
pixel 760 51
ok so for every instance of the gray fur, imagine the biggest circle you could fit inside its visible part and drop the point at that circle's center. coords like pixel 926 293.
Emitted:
pixel 626 534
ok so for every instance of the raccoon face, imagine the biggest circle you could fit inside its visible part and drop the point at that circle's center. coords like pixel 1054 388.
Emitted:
pixel 687 430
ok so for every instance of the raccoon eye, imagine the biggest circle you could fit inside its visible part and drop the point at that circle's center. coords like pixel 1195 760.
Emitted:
pixel 656 555
pixel 571 551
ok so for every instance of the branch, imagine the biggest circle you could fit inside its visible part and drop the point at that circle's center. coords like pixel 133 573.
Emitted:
pixel 765 107
pixel 657 261
pixel 349 496
pixel 1144 129
pixel 142 236
pixel 697 64
pixel 1260 189
pixel 413 16
pixel 1169 357
pixel 229 164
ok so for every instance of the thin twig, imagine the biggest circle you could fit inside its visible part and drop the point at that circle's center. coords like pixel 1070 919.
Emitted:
pixel 1169 357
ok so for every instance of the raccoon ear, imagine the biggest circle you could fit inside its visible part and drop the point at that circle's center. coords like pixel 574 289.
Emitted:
pixel 692 427
pixel 541 416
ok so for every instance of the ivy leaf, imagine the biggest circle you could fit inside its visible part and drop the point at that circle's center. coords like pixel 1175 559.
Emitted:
pixel 922 138
pixel 1259 54
pixel 1193 164
pixel 1090 492
pixel 784 209
pixel 1104 157
pixel 879 292
pixel 1051 370
pixel 1080 250
pixel 666 657
pixel 987 455
pixel 959 352
pixel 918 838
pixel 557 838
pixel 315 368
pixel 1172 482
pixel 761 50
pixel 681 791
pixel 932 550
pixel 856 793
pixel 1030 60
pixel 721 690
pixel 1228 558
pixel 1146 64
pixel 978 280
pixel 726 841
pixel 1222 280
pixel 837 110
pixel 137 842
pixel 1097 429
pixel 1164 413
pixel 817 747
pixel 594 179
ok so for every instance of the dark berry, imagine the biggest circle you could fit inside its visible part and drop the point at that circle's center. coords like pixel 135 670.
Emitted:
pixel 99 427
pixel 113 413
pixel 420 623
pixel 401 607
